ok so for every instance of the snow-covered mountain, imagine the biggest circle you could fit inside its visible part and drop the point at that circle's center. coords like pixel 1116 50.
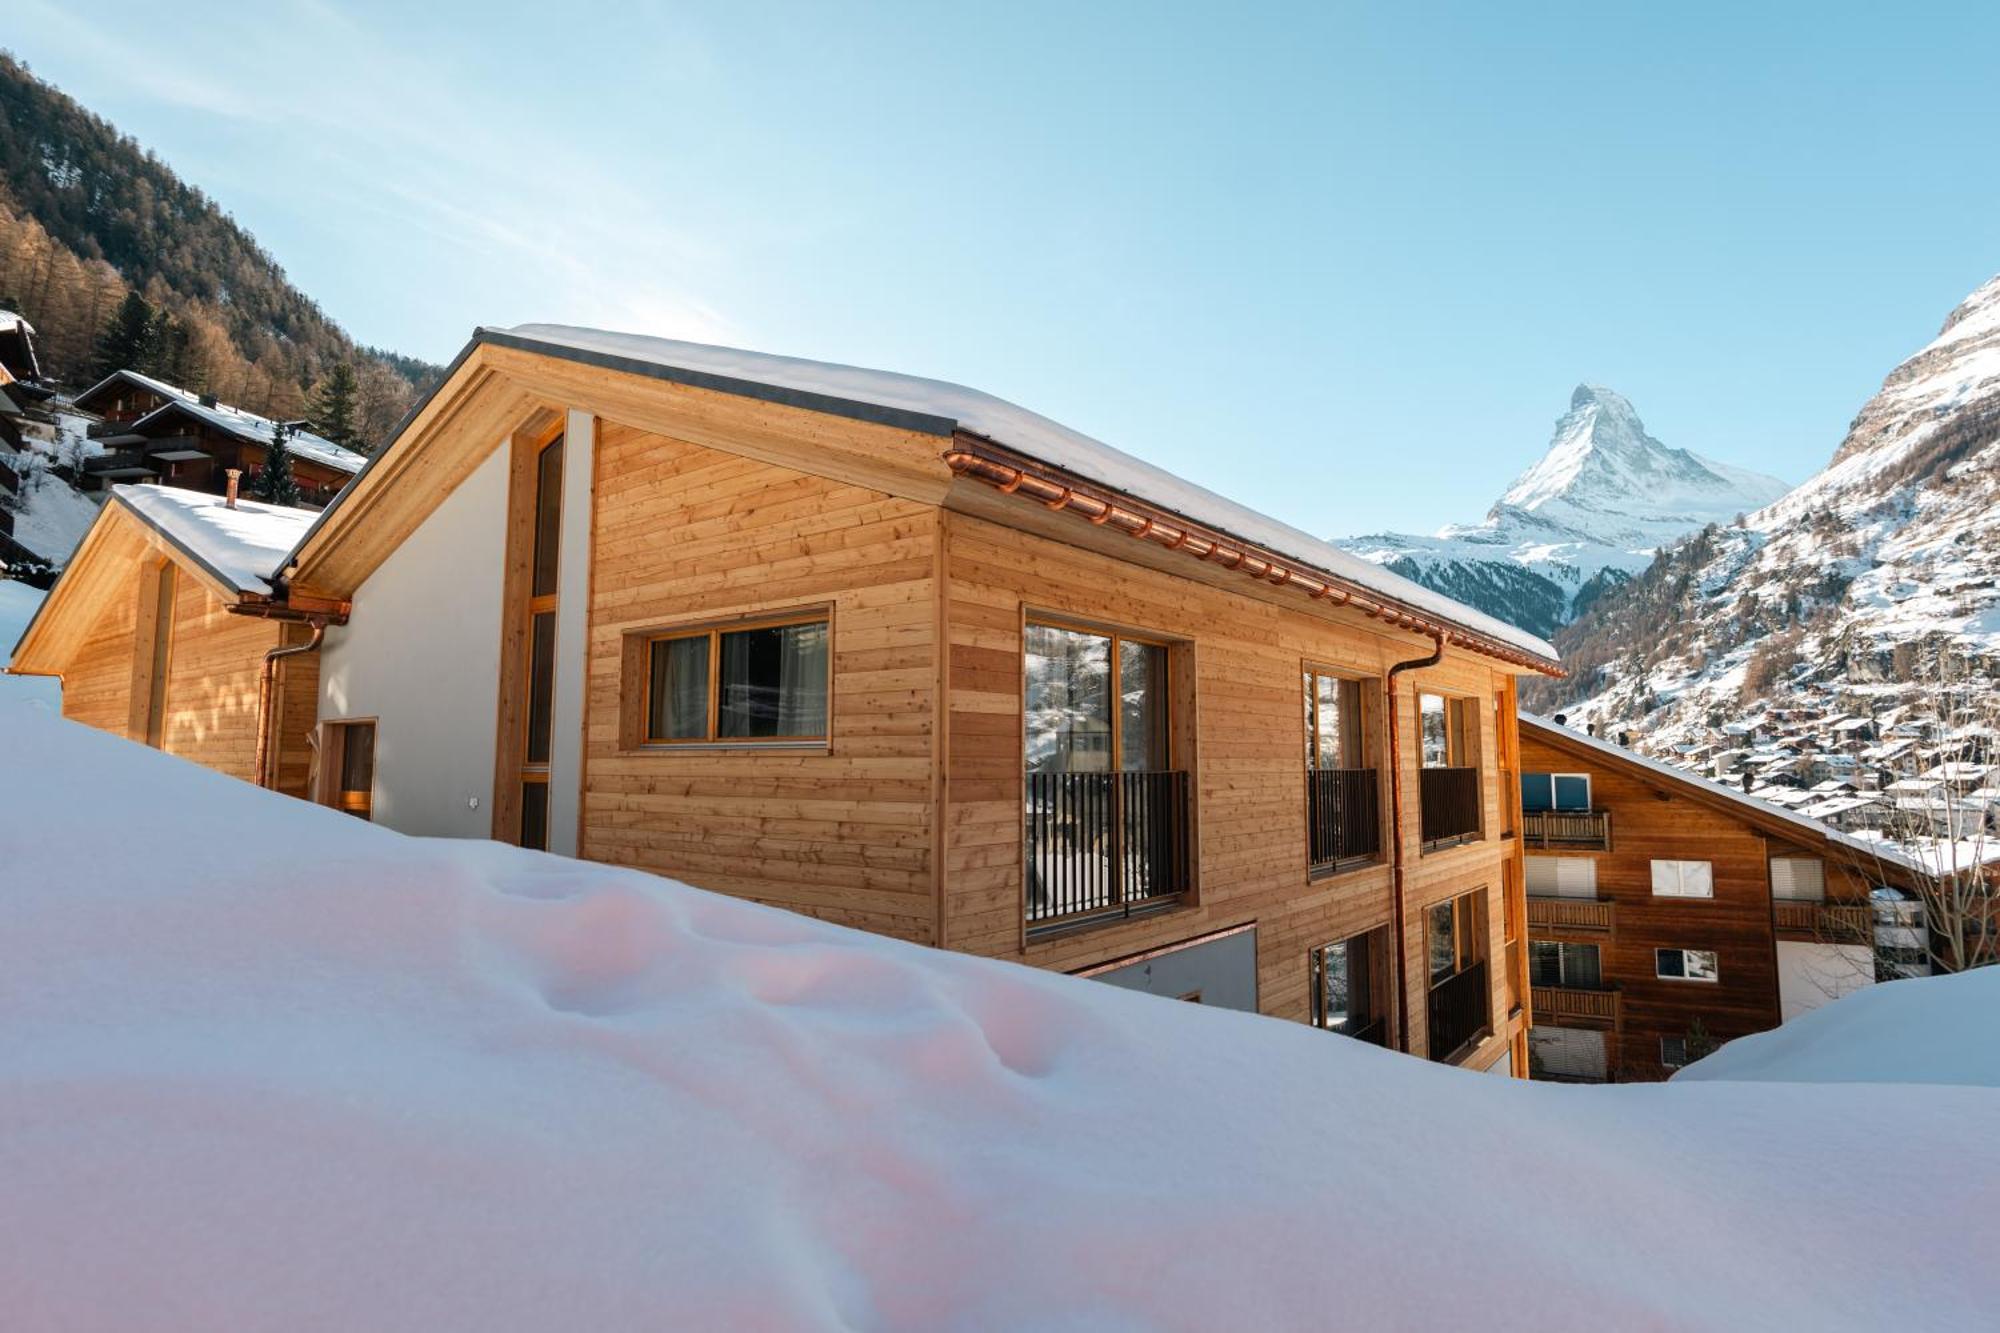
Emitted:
pixel 1585 518
pixel 1826 595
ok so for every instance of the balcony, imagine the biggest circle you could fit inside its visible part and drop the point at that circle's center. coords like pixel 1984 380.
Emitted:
pixel 1104 845
pixel 1450 805
pixel 1575 1006
pixel 1459 1011
pixel 1343 817
pixel 1545 914
pixel 1843 923
pixel 1567 830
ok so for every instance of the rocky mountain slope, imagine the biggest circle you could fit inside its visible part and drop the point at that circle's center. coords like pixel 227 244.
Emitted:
pixel 1586 517
pixel 1837 592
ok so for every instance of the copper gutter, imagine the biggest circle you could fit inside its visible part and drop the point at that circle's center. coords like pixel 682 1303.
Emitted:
pixel 1397 899
pixel 266 689
pixel 1018 476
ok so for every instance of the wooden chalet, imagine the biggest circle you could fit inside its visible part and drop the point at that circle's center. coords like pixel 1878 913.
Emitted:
pixel 152 431
pixel 905 656
pixel 163 629
pixel 1659 900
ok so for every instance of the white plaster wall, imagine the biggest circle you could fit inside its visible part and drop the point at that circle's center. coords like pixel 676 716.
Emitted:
pixel 420 653
pixel 572 633
pixel 1811 974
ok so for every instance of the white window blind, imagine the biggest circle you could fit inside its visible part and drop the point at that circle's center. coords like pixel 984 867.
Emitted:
pixel 1798 878
pixel 1683 879
pixel 1562 876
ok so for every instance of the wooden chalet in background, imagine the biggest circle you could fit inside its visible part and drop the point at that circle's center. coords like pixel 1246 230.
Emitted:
pixel 904 656
pixel 151 431
pixel 1658 900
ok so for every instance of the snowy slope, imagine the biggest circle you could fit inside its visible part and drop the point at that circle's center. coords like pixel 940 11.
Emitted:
pixel 265 1066
pixel 1603 498
pixel 1897 540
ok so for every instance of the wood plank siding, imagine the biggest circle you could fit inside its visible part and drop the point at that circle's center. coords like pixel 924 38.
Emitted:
pixel 1655 817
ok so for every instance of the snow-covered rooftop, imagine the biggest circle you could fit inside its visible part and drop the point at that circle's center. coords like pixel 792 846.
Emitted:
pixel 268 1066
pixel 1023 431
pixel 240 546
pixel 260 430
pixel 1871 849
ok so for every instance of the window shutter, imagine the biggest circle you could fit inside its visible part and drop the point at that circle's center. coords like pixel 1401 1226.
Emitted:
pixel 1798 879
pixel 1544 875
pixel 1576 877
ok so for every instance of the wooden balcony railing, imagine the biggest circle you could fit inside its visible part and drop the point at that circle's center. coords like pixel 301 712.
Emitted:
pixel 1460 1009
pixel 1581 830
pixel 1569 913
pixel 1104 844
pixel 1574 1004
pixel 1838 922
pixel 1450 804
pixel 1343 816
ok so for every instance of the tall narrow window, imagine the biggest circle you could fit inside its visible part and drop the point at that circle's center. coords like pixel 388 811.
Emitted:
pixel 538 739
pixel 1106 812
pixel 1346 987
pixel 1459 1002
pixel 352 762
pixel 161 652
pixel 1343 807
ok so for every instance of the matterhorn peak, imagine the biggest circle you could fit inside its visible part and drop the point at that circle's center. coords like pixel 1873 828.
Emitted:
pixel 1588 395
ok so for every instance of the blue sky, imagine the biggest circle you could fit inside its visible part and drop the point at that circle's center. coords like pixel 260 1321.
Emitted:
pixel 1344 263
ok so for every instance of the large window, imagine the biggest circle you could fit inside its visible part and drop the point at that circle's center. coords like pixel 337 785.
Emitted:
pixel 1343 802
pixel 1460 999
pixel 1345 981
pixel 743 683
pixel 1454 935
pixel 1683 879
pixel 1561 876
pixel 1573 965
pixel 1106 806
pixel 1448 784
pixel 1685 965
pixel 1555 791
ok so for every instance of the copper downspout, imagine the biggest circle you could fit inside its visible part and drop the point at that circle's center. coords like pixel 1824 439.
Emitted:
pixel 1177 534
pixel 1396 839
pixel 267 686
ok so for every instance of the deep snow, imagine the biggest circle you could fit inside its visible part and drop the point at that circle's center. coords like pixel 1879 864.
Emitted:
pixel 264 1066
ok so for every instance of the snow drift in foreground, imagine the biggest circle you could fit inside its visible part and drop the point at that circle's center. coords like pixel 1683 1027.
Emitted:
pixel 264 1066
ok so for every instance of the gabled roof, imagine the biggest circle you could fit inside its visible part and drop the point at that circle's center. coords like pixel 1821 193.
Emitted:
pixel 1744 805
pixel 936 408
pixel 253 429
pixel 133 377
pixel 227 550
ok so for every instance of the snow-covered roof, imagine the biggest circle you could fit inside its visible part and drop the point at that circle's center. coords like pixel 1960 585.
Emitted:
pixel 1869 848
pixel 941 407
pixel 240 546
pixel 144 381
pixel 254 429
pixel 265 1065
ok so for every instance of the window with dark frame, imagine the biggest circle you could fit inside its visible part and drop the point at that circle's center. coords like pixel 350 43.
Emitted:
pixel 750 683
pixel 1572 966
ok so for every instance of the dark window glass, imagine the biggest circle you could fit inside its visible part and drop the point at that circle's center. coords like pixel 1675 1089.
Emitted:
pixel 357 757
pixel 1537 791
pixel 1544 963
pixel 535 816
pixel 1572 791
pixel 1670 962
pixel 1142 702
pixel 1344 986
pixel 677 702
pixel 772 682
pixel 541 685
pixel 1443 943
pixel 548 516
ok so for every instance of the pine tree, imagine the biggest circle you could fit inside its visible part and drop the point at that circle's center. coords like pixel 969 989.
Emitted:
pixel 334 408
pixel 128 340
pixel 275 484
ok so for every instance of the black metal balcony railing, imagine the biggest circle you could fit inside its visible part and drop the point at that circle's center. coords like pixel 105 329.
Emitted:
pixel 1104 844
pixel 1450 802
pixel 1343 815
pixel 1590 829
pixel 1374 1031
pixel 1458 1010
